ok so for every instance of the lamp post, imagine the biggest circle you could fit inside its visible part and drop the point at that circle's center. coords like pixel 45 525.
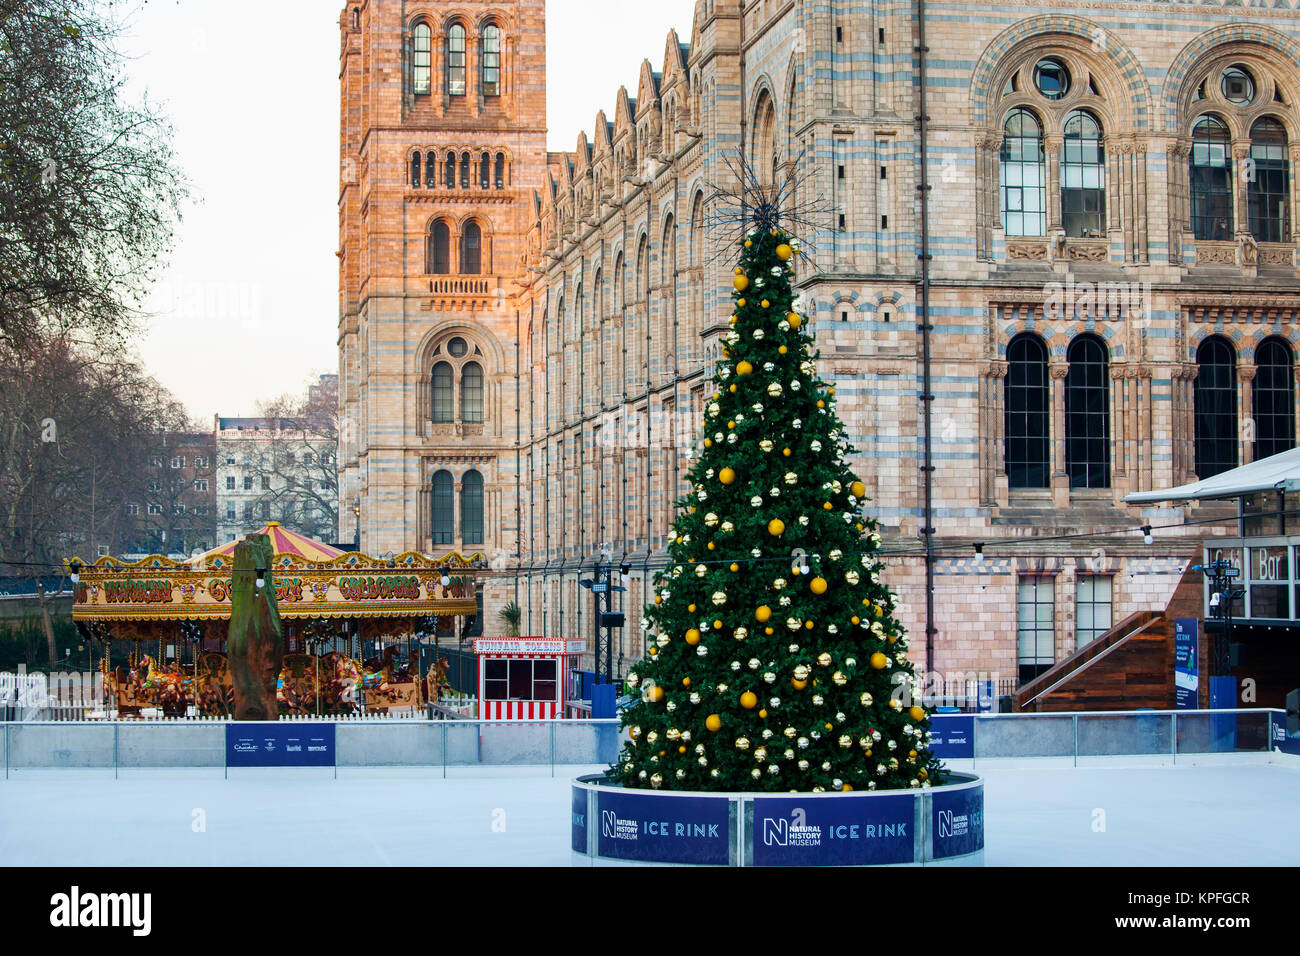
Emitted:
pixel 1220 574
pixel 606 620
pixel 356 538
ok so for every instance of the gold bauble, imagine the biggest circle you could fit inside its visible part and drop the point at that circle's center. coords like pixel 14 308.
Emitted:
pixel 916 713
pixel 727 476
pixel 786 452
pixel 686 682
pixel 744 368
pixel 817 585
pixel 741 282
pixel 763 613
pixel 794 319
pixel 692 637
pixel 776 527
pixel 857 489
pixel 798 684
pixel 879 661
pixel 782 350
pixel 656 694
pixel 713 722
pixel 749 700
pixel 784 252
pixel 734 567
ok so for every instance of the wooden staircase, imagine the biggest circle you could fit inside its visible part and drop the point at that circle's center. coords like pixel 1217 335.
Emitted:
pixel 1130 666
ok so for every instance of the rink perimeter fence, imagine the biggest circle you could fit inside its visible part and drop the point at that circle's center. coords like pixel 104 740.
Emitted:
pixel 222 745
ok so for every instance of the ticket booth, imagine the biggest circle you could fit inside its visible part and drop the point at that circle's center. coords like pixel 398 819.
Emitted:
pixel 524 678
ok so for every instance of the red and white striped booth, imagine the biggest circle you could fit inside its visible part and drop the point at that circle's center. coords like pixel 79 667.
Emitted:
pixel 524 678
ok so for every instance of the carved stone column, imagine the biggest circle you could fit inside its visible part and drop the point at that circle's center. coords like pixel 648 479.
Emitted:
pixel 1060 479
pixel 1119 440
pixel 1240 201
pixel 1246 412
pixel 1052 157
pixel 1144 427
pixel 992 435
pixel 1141 213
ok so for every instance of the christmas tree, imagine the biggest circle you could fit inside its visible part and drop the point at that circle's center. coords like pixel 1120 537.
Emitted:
pixel 775 661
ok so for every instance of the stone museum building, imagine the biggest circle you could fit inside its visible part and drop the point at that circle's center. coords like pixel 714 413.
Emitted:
pixel 526 337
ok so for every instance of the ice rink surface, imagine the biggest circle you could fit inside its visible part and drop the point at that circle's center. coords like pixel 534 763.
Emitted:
pixel 1238 813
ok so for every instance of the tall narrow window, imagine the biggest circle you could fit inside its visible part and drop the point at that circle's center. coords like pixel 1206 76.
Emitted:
pixel 471 249
pixel 431 170
pixel 1083 177
pixel 484 171
pixel 422 60
pixel 456 60
pixel 1273 396
pixel 415 170
pixel 443 394
pixel 471 508
pixel 1087 414
pixel 1026 412
pixel 1022 174
pixel 471 393
pixel 1215 399
pixel 449 171
pixel 1037 626
pixel 501 171
pixel 444 521
pixel 492 60
pixel 1211 180
pixel 1269 194
pixel 1092 609
pixel 440 249
pixel 464 170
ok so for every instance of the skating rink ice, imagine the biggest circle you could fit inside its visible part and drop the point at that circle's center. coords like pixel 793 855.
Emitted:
pixel 1236 811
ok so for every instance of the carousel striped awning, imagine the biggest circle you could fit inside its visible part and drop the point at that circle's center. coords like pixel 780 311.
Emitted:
pixel 283 541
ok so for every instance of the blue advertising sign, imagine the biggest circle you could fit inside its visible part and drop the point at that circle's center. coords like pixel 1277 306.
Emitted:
pixel 1186 665
pixel 957 822
pixel 663 829
pixel 984 699
pixel 280 745
pixel 1277 735
pixel 954 736
pixel 798 831
pixel 579 802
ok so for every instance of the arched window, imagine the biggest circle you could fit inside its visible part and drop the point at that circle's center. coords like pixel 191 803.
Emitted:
pixel 439 249
pixel 1215 400
pixel 492 60
pixel 456 60
pixel 1273 397
pixel 765 140
pixel 1083 177
pixel 501 171
pixel 444 519
pixel 1021 170
pixel 484 171
pixel 415 170
pixel 449 171
pixel 464 170
pixel 422 58
pixel 1211 180
pixel 1027 451
pixel 431 170
pixel 471 508
pixel 471 249
pixel 1269 193
pixel 443 394
pixel 1087 414
pixel 471 393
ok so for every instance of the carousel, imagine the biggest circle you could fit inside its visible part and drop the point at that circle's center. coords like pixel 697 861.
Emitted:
pixel 352 627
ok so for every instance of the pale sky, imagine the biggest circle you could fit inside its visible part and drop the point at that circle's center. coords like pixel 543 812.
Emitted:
pixel 249 307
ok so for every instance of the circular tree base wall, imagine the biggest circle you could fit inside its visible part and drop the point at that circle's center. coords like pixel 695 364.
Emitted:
pixel 926 827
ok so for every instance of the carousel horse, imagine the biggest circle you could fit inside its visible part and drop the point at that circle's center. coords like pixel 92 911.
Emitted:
pixel 216 689
pixel 341 676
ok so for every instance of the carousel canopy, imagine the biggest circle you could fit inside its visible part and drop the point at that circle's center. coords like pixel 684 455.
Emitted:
pixel 310 579
pixel 283 541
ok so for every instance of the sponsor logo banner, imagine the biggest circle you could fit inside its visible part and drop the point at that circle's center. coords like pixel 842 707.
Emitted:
pixel 268 745
pixel 840 831
pixel 954 736
pixel 579 822
pixel 957 822
pixel 662 829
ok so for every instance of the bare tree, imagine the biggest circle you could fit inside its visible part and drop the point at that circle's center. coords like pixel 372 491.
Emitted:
pixel 89 191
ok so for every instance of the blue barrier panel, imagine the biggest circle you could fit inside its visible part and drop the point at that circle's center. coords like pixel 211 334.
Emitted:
pixel 603 697
pixel 954 736
pixel 658 829
pixel 579 822
pixel 280 745
pixel 793 831
pixel 957 822
pixel 1223 729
